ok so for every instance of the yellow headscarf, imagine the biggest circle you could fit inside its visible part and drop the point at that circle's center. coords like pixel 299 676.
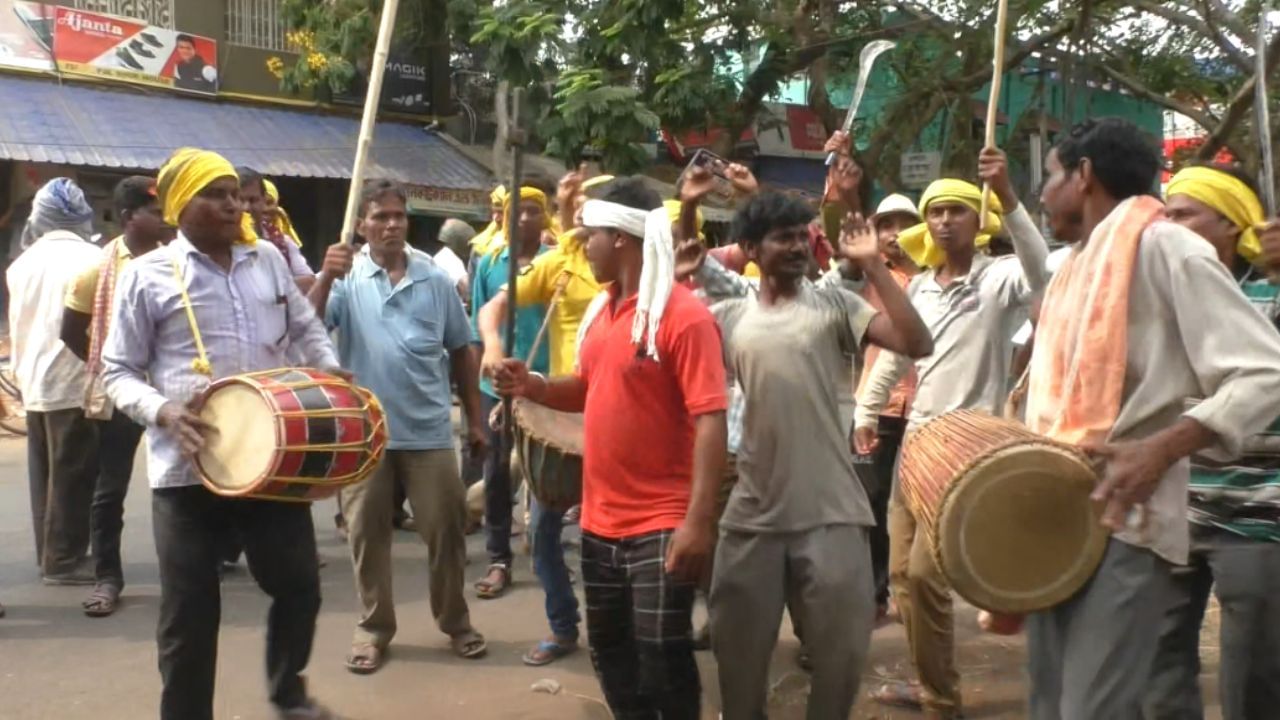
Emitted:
pixel 919 245
pixel 483 241
pixel 526 193
pixel 1230 197
pixel 673 212
pixel 282 221
pixel 186 173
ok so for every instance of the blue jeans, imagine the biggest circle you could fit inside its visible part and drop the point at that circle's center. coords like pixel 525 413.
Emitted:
pixel 548 565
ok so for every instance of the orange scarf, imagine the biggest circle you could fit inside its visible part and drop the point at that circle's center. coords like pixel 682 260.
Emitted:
pixel 1078 366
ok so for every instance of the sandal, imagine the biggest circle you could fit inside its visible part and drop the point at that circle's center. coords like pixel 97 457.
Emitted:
pixel 495 582
pixel 103 601
pixel 898 694
pixel 469 645
pixel 365 658
pixel 548 651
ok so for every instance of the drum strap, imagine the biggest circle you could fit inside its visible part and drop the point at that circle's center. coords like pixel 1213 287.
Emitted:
pixel 561 282
pixel 201 363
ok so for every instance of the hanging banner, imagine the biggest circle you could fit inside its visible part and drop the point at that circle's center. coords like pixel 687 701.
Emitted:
pixel 120 48
pixel 26 34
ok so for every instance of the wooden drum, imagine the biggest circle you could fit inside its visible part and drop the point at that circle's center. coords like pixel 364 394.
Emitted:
pixel 1007 512
pixel 548 445
pixel 290 434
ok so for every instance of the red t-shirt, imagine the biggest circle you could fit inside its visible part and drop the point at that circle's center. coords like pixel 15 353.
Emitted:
pixel 638 422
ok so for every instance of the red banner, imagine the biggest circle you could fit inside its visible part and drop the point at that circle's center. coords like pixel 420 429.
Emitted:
pixel 120 48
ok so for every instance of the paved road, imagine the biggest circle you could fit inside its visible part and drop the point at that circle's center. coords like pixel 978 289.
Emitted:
pixel 56 663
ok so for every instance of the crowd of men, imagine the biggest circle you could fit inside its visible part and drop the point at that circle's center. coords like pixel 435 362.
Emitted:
pixel 722 451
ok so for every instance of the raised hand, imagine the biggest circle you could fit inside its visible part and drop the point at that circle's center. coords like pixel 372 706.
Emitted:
pixel 698 183
pixel 993 168
pixel 843 182
pixel 1269 236
pixel 337 260
pixel 743 180
pixel 839 143
pixel 858 242
pixel 690 255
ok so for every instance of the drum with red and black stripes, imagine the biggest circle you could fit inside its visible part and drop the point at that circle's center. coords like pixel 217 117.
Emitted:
pixel 291 434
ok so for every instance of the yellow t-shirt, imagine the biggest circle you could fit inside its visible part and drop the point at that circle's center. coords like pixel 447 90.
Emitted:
pixel 537 283
pixel 81 292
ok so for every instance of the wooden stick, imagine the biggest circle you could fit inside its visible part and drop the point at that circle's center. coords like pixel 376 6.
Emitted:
pixel 993 101
pixel 546 319
pixel 369 118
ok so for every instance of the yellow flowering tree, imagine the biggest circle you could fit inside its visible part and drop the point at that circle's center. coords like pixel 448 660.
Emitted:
pixel 327 37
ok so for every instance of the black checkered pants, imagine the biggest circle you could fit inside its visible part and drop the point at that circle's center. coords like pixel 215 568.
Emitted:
pixel 639 624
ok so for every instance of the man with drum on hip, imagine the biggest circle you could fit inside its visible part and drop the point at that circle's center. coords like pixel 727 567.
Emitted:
pixel 651 385
pixel 212 304
pixel 973 305
pixel 795 525
pixel 397 315
pixel 1141 316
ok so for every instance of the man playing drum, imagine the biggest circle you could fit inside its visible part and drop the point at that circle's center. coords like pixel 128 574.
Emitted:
pixel 212 304
pixel 794 525
pixel 398 315
pixel 651 384
pixel 1131 326
pixel 973 304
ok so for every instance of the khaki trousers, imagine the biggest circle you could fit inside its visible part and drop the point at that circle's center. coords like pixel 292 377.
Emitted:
pixel 924 601
pixel 430 479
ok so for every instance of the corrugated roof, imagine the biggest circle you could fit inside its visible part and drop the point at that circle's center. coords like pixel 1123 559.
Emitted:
pixel 43 121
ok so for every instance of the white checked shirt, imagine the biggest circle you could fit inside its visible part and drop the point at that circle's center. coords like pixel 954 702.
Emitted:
pixel 249 318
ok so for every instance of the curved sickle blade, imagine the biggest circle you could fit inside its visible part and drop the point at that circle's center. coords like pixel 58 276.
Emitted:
pixel 1264 114
pixel 866 59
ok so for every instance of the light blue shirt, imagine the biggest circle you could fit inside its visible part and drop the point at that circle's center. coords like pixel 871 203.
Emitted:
pixel 491 277
pixel 396 341
pixel 249 318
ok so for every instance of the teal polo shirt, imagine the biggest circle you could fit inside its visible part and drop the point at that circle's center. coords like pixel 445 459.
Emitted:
pixel 491 277
pixel 397 340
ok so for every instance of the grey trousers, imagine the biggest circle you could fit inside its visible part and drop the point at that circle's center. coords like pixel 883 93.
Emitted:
pixel 1090 658
pixel 1245 575
pixel 824 575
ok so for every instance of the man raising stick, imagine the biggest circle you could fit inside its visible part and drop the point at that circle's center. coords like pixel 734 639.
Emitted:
pixel 651 385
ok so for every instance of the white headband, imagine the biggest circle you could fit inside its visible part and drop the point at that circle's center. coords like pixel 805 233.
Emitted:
pixel 658 274
pixel 602 214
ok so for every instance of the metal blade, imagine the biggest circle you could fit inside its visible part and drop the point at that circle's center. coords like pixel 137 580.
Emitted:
pixel 866 59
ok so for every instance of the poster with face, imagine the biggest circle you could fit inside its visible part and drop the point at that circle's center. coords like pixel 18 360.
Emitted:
pixel 125 49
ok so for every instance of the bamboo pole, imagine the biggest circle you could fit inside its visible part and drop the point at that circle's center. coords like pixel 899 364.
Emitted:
pixel 993 101
pixel 368 118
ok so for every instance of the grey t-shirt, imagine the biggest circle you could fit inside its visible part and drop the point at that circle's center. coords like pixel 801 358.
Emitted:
pixel 795 471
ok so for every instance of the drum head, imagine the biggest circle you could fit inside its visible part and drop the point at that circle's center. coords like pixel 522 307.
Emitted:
pixel 560 430
pixel 241 449
pixel 1018 533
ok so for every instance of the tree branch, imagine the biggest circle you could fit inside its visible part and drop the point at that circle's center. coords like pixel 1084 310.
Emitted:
pixel 1203 27
pixel 1240 105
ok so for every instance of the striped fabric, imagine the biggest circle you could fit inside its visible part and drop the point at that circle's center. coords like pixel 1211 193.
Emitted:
pixel 1242 496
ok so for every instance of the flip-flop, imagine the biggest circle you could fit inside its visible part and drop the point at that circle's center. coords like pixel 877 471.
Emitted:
pixel 469 645
pixel 365 658
pixel 547 652
pixel 103 601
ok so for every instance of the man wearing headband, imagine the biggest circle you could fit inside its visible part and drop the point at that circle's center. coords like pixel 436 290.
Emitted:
pixel 398 316
pixel 973 303
pixel 651 384
pixel 61 441
pixel 215 302
pixel 491 279
pixel 85 322
pixel 1235 525
pixel 1141 316
pixel 794 527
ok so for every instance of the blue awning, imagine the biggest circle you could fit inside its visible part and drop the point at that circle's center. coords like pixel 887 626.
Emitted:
pixel 45 121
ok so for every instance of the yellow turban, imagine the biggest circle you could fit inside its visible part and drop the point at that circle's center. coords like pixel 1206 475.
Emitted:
pixel 282 221
pixel 186 173
pixel 526 193
pixel 1230 197
pixel 499 195
pixel 673 212
pixel 919 245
